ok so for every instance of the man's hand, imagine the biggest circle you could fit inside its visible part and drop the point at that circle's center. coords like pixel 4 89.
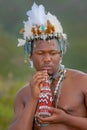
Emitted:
pixel 58 115
pixel 36 82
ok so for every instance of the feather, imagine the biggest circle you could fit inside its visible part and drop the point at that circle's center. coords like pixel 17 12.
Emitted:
pixel 27 26
pixel 21 42
pixel 64 36
pixel 37 14
pixel 55 22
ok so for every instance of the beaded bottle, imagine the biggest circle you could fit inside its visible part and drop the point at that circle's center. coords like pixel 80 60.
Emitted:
pixel 45 100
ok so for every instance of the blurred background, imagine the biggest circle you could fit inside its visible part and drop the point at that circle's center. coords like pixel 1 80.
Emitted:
pixel 13 72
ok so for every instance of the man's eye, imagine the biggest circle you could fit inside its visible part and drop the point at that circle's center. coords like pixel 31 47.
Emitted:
pixel 39 53
pixel 53 53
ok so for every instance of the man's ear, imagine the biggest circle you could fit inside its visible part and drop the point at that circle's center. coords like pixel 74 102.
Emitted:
pixel 31 61
pixel 61 56
pixel 30 57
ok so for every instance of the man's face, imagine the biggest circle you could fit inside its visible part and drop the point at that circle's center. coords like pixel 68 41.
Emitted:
pixel 46 56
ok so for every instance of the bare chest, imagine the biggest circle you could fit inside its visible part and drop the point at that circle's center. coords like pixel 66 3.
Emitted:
pixel 71 99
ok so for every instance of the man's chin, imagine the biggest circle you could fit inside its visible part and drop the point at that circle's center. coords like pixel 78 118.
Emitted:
pixel 50 73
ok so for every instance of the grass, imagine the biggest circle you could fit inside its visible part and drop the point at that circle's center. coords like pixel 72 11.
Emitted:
pixel 8 89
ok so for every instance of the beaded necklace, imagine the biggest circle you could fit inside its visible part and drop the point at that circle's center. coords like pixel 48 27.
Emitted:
pixel 57 91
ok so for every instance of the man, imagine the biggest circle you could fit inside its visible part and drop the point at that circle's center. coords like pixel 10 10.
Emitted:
pixel 46 43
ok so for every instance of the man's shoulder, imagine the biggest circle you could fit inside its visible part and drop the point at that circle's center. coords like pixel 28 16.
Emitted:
pixel 23 89
pixel 73 73
pixel 23 92
pixel 78 77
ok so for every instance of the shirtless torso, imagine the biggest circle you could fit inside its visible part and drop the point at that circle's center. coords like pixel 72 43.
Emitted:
pixel 72 111
pixel 73 99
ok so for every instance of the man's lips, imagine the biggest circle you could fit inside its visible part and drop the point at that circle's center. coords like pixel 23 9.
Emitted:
pixel 46 67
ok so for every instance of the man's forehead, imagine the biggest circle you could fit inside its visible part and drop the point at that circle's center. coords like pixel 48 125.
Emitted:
pixel 45 43
pixel 42 45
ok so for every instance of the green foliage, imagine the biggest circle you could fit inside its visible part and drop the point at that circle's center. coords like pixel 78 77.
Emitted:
pixel 8 89
pixel 12 58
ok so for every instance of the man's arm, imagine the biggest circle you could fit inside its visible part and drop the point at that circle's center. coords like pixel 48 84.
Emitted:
pixel 24 115
pixel 77 122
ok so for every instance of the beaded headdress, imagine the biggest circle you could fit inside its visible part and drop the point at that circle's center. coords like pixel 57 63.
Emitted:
pixel 43 26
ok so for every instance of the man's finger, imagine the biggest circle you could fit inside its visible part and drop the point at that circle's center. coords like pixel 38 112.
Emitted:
pixel 46 119
pixel 52 110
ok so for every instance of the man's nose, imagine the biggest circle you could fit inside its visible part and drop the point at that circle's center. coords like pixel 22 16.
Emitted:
pixel 47 58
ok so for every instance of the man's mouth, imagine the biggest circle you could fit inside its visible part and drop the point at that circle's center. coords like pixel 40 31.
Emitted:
pixel 46 67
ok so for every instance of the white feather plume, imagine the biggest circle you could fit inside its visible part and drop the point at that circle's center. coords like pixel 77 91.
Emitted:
pixel 55 22
pixel 21 42
pixel 64 36
pixel 37 14
pixel 27 29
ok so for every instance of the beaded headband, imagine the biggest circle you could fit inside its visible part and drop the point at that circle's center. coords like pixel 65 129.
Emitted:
pixel 41 26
